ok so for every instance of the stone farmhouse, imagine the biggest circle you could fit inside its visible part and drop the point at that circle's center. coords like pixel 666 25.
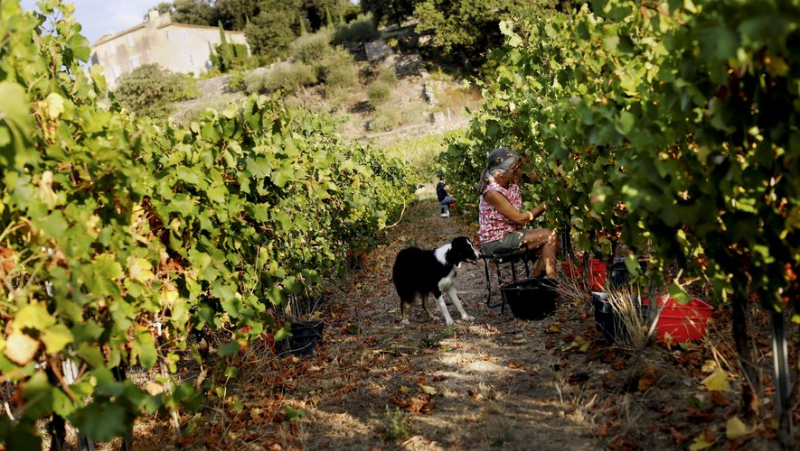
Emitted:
pixel 175 46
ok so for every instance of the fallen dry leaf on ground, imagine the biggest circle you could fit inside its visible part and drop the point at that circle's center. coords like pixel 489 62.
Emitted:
pixel 735 428
pixel 718 380
pixel 648 377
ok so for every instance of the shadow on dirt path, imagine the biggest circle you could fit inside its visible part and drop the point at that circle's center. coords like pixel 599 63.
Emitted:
pixel 554 384
pixel 473 385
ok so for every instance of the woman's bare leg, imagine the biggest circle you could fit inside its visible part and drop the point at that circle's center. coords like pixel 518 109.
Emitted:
pixel 546 241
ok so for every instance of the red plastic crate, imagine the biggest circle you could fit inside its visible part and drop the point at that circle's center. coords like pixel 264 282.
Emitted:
pixel 683 322
pixel 597 272
pixel 571 270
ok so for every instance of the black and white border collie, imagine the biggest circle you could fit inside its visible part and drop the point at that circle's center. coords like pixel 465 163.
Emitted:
pixel 418 272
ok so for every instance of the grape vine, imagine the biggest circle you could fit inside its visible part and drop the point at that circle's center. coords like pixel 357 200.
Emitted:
pixel 673 125
pixel 119 235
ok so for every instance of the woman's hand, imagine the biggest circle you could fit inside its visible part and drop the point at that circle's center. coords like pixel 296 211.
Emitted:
pixel 528 177
pixel 536 212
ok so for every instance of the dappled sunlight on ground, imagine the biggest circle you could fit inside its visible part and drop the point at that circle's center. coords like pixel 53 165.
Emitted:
pixel 493 382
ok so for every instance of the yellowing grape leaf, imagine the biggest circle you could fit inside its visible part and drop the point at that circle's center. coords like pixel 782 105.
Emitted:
pixel 46 193
pixel 776 65
pixel 709 366
pixel 428 389
pixel 91 226
pixel 583 344
pixel 700 443
pixel 20 348
pixel 735 428
pixel 56 338
pixel 53 105
pixel 168 297
pixel 140 269
pixel 33 316
pixel 154 388
pixel 717 381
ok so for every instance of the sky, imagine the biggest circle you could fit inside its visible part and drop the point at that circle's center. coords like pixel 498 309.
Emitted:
pixel 98 17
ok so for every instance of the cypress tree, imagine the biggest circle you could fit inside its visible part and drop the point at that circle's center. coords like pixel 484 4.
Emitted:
pixel 222 39
pixel 226 52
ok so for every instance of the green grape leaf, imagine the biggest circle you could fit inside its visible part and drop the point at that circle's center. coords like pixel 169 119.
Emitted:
pixel 719 42
pixel 143 348
pixel 14 112
pixel 98 79
pixel 677 292
pixel 91 355
pixel 626 122
pixel 101 421
pixel 53 225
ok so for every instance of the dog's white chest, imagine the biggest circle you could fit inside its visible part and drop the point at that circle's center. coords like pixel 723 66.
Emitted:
pixel 447 281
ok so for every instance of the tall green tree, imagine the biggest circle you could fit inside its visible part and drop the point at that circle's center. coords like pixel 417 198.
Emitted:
pixel 228 55
pixel 234 14
pixel 192 12
pixel 390 11
pixel 271 31
pixel 468 28
pixel 163 7
pixel 318 11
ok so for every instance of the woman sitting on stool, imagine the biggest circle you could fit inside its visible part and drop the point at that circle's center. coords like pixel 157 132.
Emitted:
pixel 502 224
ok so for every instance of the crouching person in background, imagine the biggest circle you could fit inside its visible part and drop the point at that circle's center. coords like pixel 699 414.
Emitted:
pixel 445 200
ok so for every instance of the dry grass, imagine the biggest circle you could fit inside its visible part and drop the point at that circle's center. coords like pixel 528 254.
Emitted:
pixel 634 329
pixel 633 413
pixel 719 360
pixel 571 288
pixel 582 410
pixel 455 98
pixel 578 405
pixel 637 330
pixel 258 360
pixel 420 153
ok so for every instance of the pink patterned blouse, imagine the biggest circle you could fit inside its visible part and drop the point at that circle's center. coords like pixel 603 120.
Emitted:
pixel 493 225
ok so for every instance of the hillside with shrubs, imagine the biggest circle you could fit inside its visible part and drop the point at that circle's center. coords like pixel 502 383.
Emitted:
pixel 374 82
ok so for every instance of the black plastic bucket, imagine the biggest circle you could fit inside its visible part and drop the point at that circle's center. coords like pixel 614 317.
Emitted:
pixel 606 320
pixel 531 298
pixel 305 338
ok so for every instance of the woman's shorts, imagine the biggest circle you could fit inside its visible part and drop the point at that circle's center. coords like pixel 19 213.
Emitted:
pixel 511 241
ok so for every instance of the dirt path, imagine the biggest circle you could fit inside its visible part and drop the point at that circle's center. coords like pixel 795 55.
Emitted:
pixel 554 384
pixel 469 386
